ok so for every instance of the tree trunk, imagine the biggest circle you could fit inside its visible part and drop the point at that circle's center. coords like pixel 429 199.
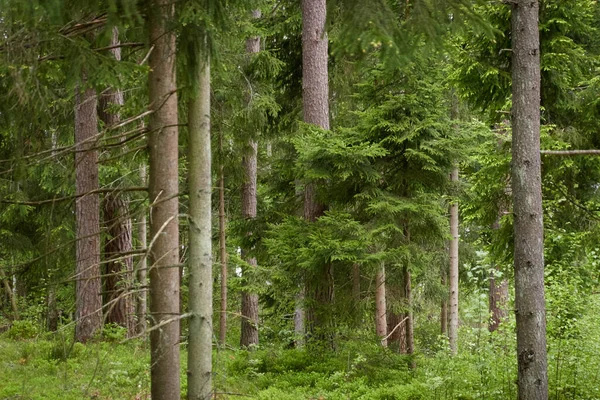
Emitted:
pixel 410 336
pixel 88 301
pixel 10 295
pixel 315 96
pixel 163 190
pixel 141 303
pixel 52 309
pixel 249 336
pixel 356 294
pixel 380 305
pixel 200 223
pixel 249 332
pixel 444 308
pixel 222 250
pixel 453 323
pixel 498 301
pixel 527 203
pixel 119 268
pixel 299 328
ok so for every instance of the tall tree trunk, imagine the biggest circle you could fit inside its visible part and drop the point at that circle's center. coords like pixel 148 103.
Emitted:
pixel 453 324
pixel 141 303
pixel 315 96
pixel 444 308
pixel 249 333
pixel 88 301
pixel 222 248
pixel 527 203
pixel 380 305
pixel 410 336
pixel 498 301
pixel 200 262
pixel 163 189
pixel 11 296
pixel 356 294
pixel 299 328
pixel 119 267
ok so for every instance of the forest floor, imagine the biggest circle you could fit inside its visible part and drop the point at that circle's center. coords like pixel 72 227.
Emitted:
pixel 50 366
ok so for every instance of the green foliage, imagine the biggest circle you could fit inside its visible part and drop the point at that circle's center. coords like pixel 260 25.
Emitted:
pixel 25 329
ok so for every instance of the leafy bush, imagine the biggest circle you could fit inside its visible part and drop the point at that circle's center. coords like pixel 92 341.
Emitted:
pixel 23 329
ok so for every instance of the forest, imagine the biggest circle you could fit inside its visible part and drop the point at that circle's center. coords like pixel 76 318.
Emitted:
pixel 300 199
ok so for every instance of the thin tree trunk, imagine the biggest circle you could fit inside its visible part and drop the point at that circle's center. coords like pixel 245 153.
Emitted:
pixel 88 301
pixel 380 305
pixel 52 317
pixel 299 328
pixel 410 336
pixel 163 189
pixel 222 250
pixel 356 294
pixel 200 261
pixel 498 301
pixel 249 330
pixel 249 336
pixel 453 324
pixel 444 308
pixel 315 96
pixel 527 203
pixel 141 304
pixel 10 295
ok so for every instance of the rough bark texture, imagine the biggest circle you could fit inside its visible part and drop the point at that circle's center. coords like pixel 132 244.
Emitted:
pixel 141 303
pixel 315 94
pixel 249 321
pixel 112 98
pixel 380 305
pixel 527 203
pixel 88 302
pixel 222 251
pixel 119 267
pixel 52 318
pixel 163 189
pixel 498 302
pixel 249 334
pixel 200 262
pixel 453 323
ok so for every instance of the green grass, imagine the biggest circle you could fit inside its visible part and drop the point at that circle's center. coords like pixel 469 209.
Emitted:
pixel 53 367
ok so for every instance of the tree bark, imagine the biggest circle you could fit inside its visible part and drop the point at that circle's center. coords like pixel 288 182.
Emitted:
pixel 119 268
pixel 249 336
pixel 222 250
pixel 88 302
pixel 380 305
pixel 410 336
pixel 200 231
pixel 141 303
pixel 444 309
pixel 163 189
pixel 527 203
pixel 315 96
pixel 498 301
pixel 453 323
pixel 249 329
